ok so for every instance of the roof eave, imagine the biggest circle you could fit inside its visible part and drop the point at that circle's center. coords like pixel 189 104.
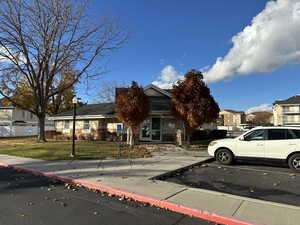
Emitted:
pixel 81 117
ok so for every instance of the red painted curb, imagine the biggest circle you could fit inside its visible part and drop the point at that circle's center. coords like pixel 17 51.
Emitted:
pixel 152 201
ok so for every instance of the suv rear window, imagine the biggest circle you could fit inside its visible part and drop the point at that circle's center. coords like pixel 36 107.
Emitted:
pixel 280 134
pixel 276 134
pixel 296 133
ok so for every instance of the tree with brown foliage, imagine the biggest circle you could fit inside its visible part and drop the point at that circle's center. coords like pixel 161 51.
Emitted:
pixel 192 102
pixel 40 40
pixel 260 118
pixel 132 108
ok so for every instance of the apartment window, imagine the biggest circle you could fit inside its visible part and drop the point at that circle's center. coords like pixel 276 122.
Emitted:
pixel 86 124
pixel 67 124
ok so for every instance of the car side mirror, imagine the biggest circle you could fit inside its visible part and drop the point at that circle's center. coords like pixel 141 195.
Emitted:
pixel 242 138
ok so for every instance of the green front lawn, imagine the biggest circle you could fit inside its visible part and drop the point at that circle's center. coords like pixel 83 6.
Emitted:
pixel 60 150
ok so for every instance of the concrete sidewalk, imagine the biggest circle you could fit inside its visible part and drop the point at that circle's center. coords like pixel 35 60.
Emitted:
pixel 132 177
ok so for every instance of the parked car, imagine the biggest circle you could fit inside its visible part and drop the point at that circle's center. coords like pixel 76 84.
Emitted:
pixel 275 143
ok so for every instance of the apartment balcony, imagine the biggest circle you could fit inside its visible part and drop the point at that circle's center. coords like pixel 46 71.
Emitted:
pixel 291 112
pixel 291 122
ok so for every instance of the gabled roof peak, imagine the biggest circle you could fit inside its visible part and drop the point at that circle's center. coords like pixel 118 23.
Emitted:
pixel 164 92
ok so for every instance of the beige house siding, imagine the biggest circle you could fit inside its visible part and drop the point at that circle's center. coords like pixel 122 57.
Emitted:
pixel 95 124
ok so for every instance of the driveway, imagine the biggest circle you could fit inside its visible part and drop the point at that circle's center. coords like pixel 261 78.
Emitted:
pixel 265 182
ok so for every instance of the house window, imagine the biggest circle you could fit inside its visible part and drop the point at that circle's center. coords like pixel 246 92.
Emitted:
pixel 67 124
pixel 86 124
pixel 119 127
pixel 23 114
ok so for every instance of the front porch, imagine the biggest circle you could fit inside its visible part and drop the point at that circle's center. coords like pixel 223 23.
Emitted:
pixel 159 129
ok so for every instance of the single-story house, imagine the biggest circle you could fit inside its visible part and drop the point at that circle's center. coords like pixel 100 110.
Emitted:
pixel 160 126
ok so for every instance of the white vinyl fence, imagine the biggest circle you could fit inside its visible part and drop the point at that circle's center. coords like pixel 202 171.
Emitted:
pixel 20 131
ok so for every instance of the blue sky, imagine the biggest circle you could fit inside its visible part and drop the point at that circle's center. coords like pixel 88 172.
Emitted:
pixel 190 35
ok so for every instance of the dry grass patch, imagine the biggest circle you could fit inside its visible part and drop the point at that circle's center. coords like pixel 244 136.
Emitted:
pixel 60 150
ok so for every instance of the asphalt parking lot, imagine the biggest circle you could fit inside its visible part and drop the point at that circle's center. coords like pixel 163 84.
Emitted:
pixel 27 200
pixel 270 182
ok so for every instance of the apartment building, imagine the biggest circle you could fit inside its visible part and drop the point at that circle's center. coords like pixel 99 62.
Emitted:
pixel 228 117
pixel 287 112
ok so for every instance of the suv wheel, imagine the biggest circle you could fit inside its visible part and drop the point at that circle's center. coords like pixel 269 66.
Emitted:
pixel 224 156
pixel 294 162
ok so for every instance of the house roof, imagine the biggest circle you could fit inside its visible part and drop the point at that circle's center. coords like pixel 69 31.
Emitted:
pixel 292 100
pixel 157 104
pixel 165 92
pixel 232 111
pixel 91 109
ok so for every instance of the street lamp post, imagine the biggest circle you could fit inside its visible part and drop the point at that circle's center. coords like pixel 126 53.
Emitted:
pixel 75 101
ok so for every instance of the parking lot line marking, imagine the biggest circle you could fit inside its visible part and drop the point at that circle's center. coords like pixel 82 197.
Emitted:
pixel 172 195
pixel 238 207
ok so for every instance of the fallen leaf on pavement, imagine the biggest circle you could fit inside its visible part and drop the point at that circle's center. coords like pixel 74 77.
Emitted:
pixel 29 203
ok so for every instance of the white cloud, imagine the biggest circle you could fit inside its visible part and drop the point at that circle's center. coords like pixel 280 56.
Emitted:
pixel 168 77
pixel 270 42
pixel 259 108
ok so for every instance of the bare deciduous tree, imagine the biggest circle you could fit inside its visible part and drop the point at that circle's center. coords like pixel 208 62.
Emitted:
pixel 41 39
pixel 107 90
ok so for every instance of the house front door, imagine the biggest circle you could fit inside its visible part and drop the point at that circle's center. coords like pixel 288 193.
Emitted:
pixel 155 131
pixel 145 133
pixel 151 130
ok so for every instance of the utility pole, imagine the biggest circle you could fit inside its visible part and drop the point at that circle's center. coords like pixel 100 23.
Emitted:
pixel 75 101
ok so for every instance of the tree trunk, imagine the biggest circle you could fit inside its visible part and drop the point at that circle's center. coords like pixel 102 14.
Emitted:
pixel 128 136
pixel 131 139
pixel 41 126
pixel 188 139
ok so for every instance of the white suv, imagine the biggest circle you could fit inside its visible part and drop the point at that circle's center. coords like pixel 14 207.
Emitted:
pixel 278 143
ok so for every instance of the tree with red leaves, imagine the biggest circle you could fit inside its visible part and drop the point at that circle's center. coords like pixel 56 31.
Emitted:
pixel 132 108
pixel 192 102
